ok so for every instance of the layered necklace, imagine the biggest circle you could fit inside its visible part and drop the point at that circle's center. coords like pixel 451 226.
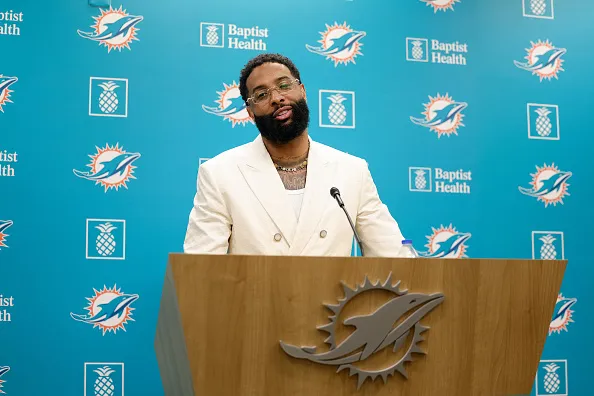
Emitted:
pixel 297 168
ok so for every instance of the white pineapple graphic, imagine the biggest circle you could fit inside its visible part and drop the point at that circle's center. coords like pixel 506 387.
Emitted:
pixel 104 383
pixel 420 181
pixel 212 37
pixel 543 122
pixel 108 100
pixel 105 241
pixel 337 112
pixel 551 378
pixel 417 50
pixel 547 250
pixel 538 7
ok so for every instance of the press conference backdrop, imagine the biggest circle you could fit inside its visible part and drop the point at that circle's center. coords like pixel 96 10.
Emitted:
pixel 474 117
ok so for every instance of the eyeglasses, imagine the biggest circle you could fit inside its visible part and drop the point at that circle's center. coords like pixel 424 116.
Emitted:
pixel 262 95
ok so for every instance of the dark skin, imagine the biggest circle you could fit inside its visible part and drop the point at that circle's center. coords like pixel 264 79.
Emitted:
pixel 290 154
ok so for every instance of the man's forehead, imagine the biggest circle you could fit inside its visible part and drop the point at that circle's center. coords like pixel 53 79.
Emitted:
pixel 266 74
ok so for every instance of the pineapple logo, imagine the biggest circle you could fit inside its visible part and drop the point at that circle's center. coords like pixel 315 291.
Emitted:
pixel 443 115
pixel 340 43
pixel 4 224
pixel 420 179
pixel 5 83
pixel 549 185
pixel 548 245
pixel 114 28
pixel 230 106
pixel 563 314
pixel 108 97
pixel 111 167
pixel 446 242
pixel 104 379
pixel 3 370
pixel 552 378
pixel 544 60
pixel 212 34
pixel 441 5
pixel 417 50
pixel 337 109
pixel 106 239
pixel 212 37
pixel 538 9
pixel 543 121
pixel 109 310
pixel 382 328
pixel 108 100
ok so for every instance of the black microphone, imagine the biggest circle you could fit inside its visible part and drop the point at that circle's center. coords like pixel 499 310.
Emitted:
pixel 336 195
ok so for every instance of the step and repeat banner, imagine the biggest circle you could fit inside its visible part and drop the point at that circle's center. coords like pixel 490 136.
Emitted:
pixel 474 118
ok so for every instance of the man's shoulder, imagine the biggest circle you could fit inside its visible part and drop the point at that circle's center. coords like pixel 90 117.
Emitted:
pixel 341 156
pixel 227 157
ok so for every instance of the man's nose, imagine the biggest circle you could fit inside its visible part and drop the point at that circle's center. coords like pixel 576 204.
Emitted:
pixel 276 97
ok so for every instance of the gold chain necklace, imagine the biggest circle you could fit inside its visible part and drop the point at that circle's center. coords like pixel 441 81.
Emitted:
pixel 299 167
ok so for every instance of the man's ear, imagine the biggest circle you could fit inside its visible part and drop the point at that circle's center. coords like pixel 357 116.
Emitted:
pixel 249 110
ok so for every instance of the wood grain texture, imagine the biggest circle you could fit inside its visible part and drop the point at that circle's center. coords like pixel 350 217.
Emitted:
pixel 484 339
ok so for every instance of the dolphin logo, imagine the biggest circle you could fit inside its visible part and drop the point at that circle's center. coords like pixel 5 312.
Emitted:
pixel 447 114
pixel 107 169
pixel 549 185
pixel 448 248
pixel 338 44
pixel 562 313
pixel 4 224
pixel 3 370
pixel 113 30
pixel 237 105
pixel 115 308
pixel 543 61
pixel 6 82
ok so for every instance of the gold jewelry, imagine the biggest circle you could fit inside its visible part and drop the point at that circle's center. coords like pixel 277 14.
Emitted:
pixel 299 167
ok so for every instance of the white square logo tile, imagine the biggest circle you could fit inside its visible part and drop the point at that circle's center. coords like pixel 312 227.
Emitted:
pixel 104 379
pixel 108 97
pixel 106 239
pixel 543 121
pixel 551 378
pixel 337 109
pixel 548 245
pixel 417 49
pixel 420 179
pixel 212 35
pixel 538 9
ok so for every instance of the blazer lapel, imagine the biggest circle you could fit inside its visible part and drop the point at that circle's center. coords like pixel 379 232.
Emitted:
pixel 320 172
pixel 264 181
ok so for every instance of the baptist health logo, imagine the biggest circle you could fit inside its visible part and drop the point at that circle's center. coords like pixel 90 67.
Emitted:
pixel 5 304
pixel 111 167
pixel 538 9
pixel 543 59
pixel 8 23
pixel 7 163
pixel 230 106
pixel 442 115
pixel 3 371
pixel 106 239
pixel 339 43
pixel 4 225
pixel 109 310
pixel 337 109
pixel 543 121
pixel 551 378
pixel 441 5
pixel 242 38
pixel 104 379
pixel 108 97
pixel 447 182
pixel 549 185
pixel 446 242
pixel 114 28
pixel 418 50
pixel 5 91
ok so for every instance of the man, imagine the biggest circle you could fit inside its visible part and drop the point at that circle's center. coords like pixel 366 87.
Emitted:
pixel 272 196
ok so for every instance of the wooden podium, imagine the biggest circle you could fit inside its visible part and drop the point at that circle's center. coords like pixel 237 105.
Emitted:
pixel 223 317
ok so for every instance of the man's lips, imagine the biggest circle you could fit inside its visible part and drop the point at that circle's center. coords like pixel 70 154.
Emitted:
pixel 283 113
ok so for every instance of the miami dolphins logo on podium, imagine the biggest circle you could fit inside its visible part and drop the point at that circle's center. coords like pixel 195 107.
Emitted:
pixel 230 106
pixel 443 115
pixel 4 224
pixel 111 167
pixel 373 332
pixel 563 314
pixel 340 43
pixel 441 5
pixel 549 185
pixel 5 83
pixel 109 309
pixel 3 370
pixel 114 28
pixel 543 59
pixel 446 242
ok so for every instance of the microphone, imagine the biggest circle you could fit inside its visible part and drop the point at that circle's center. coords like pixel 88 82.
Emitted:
pixel 336 195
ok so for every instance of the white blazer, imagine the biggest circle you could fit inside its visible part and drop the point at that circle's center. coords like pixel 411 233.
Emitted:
pixel 242 207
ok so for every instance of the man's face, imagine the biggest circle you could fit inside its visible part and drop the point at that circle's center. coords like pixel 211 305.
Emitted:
pixel 283 115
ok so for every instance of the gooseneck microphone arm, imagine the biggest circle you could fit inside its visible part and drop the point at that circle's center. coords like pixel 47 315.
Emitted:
pixel 336 195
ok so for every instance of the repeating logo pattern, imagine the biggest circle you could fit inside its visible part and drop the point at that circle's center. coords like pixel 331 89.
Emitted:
pixel 111 167
pixel 551 378
pixel 108 97
pixel 5 91
pixel 549 185
pixel 114 28
pixel 443 115
pixel 441 5
pixel 337 109
pixel 544 60
pixel 538 9
pixel 231 106
pixel 104 379
pixel 109 309
pixel 563 314
pixel 543 121
pixel 446 242
pixel 106 239
pixel 4 225
pixel 340 44
pixel 3 370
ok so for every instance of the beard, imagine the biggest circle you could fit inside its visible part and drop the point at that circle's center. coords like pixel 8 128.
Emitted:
pixel 282 132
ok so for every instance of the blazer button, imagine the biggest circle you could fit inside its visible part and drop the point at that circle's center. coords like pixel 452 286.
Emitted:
pixel 323 234
pixel 277 237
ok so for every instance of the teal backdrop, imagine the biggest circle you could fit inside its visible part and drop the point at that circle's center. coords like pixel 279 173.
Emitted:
pixel 473 117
